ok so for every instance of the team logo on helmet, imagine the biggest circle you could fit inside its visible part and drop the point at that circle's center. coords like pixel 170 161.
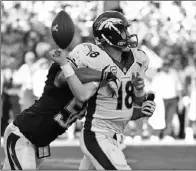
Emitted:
pixel 110 23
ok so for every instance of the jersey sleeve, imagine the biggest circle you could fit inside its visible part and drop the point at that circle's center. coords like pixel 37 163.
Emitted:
pixel 78 56
pixel 88 55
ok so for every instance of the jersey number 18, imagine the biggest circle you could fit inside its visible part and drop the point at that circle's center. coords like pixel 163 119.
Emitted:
pixel 128 96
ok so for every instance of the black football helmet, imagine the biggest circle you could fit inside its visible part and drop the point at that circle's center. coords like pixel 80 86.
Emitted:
pixel 111 27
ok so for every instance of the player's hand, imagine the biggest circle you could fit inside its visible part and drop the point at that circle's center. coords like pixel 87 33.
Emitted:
pixel 112 80
pixel 148 108
pixel 114 85
pixel 138 82
pixel 59 56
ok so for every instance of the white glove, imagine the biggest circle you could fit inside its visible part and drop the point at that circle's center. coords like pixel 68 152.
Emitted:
pixel 148 108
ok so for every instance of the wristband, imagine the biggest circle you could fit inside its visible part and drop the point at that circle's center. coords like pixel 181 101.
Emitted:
pixel 67 70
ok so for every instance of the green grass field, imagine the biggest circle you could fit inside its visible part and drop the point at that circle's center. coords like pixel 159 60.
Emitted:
pixel 141 155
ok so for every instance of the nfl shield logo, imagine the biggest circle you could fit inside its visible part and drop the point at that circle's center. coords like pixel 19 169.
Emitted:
pixel 55 28
pixel 113 69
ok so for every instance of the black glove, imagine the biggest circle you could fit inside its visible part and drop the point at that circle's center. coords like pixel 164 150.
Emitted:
pixel 148 106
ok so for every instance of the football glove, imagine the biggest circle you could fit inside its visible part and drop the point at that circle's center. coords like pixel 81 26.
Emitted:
pixel 148 107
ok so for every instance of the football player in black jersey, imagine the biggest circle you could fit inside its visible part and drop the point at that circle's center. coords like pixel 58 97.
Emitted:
pixel 27 138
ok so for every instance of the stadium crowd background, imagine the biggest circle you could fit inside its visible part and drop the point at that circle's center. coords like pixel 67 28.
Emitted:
pixel 166 32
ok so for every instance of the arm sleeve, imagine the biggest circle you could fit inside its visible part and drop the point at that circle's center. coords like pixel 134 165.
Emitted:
pixel 79 61
pixel 83 56
pixel 77 57
pixel 86 75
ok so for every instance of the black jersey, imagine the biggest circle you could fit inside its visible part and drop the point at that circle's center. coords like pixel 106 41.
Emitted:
pixel 51 115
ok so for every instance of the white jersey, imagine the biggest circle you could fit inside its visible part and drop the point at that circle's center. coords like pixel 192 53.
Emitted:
pixel 106 111
pixel 89 55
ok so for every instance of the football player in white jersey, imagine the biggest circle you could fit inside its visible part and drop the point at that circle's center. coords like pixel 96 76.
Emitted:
pixel 112 105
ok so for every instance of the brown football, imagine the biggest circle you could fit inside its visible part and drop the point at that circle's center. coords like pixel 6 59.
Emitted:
pixel 62 29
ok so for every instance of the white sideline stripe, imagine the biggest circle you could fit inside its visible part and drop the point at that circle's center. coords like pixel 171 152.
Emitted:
pixel 58 143
pixel 65 142
pixel 76 161
pixel 76 143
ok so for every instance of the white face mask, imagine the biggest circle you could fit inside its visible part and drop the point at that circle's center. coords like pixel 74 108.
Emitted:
pixel 132 40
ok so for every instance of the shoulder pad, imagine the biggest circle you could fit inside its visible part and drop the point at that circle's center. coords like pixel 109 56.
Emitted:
pixel 78 55
pixel 84 49
pixel 89 55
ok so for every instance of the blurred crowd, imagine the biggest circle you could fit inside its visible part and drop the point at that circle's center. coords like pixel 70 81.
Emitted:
pixel 166 31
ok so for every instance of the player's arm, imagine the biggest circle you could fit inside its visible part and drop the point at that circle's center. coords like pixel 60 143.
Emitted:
pixel 139 93
pixel 78 59
pixel 146 110
pixel 137 113
pixel 84 74
pixel 138 79
pixel 82 92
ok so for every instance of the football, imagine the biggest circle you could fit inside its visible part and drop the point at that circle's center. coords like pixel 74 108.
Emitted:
pixel 62 29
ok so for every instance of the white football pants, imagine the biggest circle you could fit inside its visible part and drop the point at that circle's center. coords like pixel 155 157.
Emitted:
pixel 20 153
pixel 102 151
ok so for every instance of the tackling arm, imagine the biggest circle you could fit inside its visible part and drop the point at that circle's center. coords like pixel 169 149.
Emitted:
pixel 80 91
pixel 83 83
pixel 84 74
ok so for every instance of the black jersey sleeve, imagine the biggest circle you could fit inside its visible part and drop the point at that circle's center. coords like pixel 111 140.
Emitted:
pixel 54 69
